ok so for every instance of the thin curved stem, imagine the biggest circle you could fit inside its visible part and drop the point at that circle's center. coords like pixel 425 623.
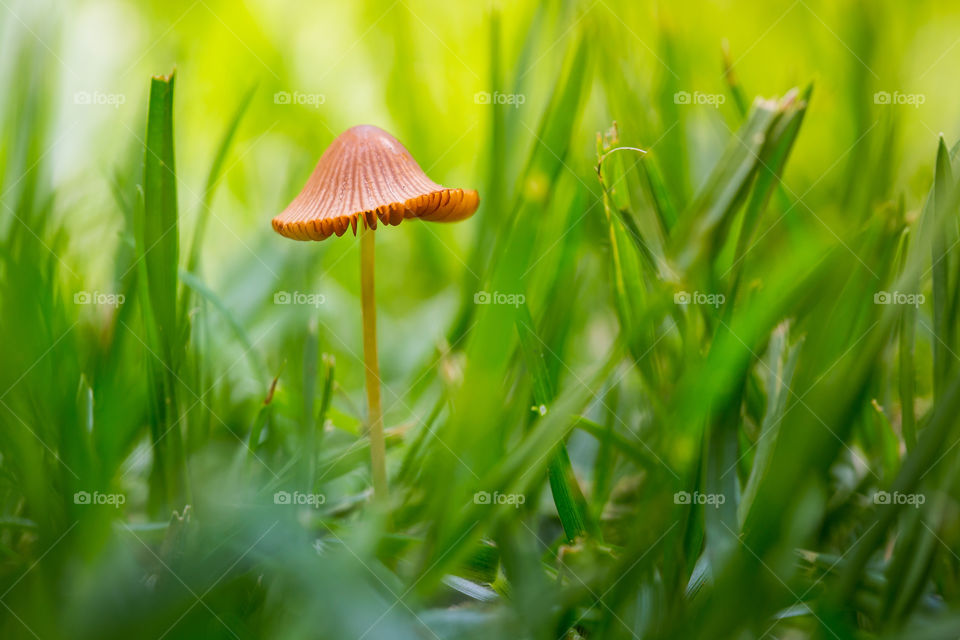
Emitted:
pixel 378 452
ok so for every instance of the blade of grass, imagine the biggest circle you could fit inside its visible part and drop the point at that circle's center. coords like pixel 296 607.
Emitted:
pixel 213 178
pixel 740 100
pixel 658 193
pixel 703 227
pixel 907 374
pixel 772 161
pixel 928 450
pixel 257 365
pixel 781 361
pixel 308 424
pixel 157 236
pixel 262 421
pixel 943 196
pixel 571 505
pixel 316 434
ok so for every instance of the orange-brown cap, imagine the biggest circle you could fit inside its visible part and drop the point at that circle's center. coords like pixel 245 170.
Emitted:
pixel 367 172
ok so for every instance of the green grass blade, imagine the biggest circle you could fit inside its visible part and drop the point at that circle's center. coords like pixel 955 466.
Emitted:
pixel 158 233
pixel 928 450
pixel 780 362
pixel 257 365
pixel 157 238
pixel 703 227
pixel 213 179
pixel 943 197
pixel 739 96
pixel 658 193
pixel 571 505
pixel 261 422
pixel 316 437
pixel 772 161
pixel 906 366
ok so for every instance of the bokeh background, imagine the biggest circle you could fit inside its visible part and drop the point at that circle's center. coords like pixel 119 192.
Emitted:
pixel 416 69
pixel 507 98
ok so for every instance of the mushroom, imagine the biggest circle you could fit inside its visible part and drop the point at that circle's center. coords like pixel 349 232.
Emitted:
pixel 367 174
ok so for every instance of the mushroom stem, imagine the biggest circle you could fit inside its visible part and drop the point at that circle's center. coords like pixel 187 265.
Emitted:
pixel 378 453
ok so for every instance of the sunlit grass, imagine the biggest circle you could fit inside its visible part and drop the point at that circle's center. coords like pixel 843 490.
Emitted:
pixel 690 371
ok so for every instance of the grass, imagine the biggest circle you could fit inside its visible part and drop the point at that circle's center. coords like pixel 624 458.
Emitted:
pixel 690 371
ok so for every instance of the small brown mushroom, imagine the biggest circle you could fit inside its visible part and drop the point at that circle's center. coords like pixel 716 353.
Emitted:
pixel 367 174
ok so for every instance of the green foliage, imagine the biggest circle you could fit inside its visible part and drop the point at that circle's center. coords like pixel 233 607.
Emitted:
pixel 689 372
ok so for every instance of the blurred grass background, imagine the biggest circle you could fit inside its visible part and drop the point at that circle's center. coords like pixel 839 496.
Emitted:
pixel 185 382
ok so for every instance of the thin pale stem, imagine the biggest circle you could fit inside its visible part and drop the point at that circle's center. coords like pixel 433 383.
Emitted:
pixel 378 452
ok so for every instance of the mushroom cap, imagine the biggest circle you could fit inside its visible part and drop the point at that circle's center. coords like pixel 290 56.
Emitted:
pixel 367 172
